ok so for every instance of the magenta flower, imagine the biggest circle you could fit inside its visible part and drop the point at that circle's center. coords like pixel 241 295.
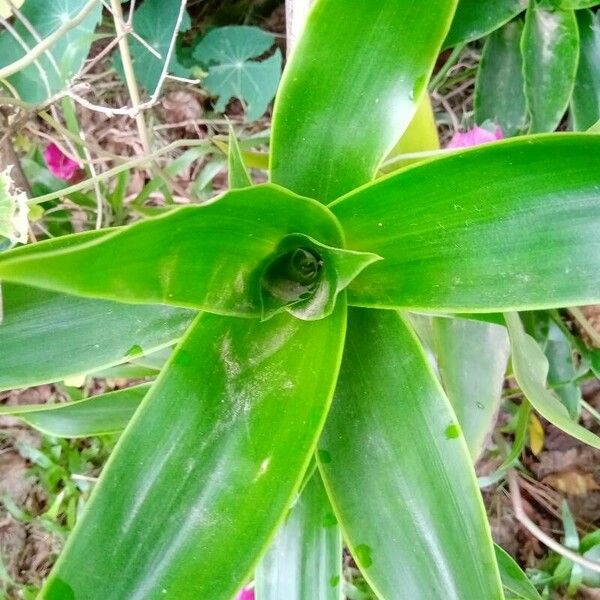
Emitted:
pixel 246 594
pixel 474 137
pixel 59 164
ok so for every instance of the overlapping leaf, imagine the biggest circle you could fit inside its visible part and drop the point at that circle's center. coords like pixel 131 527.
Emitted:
pixel 46 336
pixel 506 226
pixel 476 18
pixel 211 460
pixel 208 257
pixel 399 473
pixel 336 117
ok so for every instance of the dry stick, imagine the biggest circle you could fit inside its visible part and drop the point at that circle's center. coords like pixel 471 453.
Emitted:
pixel 40 48
pixel 585 324
pixel 130 80
pixel 136 162
pixel 94 174
pixel 520 514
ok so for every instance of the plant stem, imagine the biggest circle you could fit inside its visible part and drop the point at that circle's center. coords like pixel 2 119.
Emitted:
pixel 452 60
pixel 521 515
pixel 132 87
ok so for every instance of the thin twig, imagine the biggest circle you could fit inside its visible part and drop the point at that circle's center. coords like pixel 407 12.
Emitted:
pixel 585 325
pixel 542 536
pixel 136 162
pixel 132 86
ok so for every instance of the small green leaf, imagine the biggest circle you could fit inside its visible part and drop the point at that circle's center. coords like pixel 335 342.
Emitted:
pixel 45 77
pixel 154 21
pixel 499 93
pixel 550 47
pixel 513 578
pixel 585 104
pixel 13 211
pixel 305 559
pixel 227 54
pixel 98 415
pixel 238 174
pixel 531 369
pixel 477 18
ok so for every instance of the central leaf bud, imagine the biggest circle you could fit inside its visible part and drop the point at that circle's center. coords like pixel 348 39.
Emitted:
pixel 304 277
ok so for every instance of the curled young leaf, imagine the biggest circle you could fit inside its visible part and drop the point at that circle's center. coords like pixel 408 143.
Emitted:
pixel 305 277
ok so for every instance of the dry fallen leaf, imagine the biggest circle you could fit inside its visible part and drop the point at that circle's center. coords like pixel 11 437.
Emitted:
pixel 573 483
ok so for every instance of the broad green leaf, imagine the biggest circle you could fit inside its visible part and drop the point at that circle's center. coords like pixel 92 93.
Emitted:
pixel 209 257
pixel 47 337
pixel 506 226
pixel 513 578
pixel 472 359
pixel 305 558
pixel 154 21
pixel 98 415
pixel 477 18
pixel 238 175
pixel 499 90
pixel 550 47
pixel 13 211
pixel 336 116
pixel 398 471
pixel 211 459
pixel 531 369
pixel 228 53
pixel 35 84
pixel 585 104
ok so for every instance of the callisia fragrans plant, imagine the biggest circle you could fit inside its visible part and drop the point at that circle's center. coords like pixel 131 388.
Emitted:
pixel 298 405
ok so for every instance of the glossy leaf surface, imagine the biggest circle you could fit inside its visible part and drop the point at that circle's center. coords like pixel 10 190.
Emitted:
pixel 98 415
pixel 336 116
pixel 305 558
pixel 46 336
pixel 506 226
pixel 585 104
pixel 211 460
pixel 531 369
pixel 499 93
pixel 476 18
pixel 208 257
pixel 472 359
pixel 550 47
pixel 399 473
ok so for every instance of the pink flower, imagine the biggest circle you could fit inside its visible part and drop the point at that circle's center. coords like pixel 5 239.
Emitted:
pixel 246 594
pixel 59 164
pixel 474 137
